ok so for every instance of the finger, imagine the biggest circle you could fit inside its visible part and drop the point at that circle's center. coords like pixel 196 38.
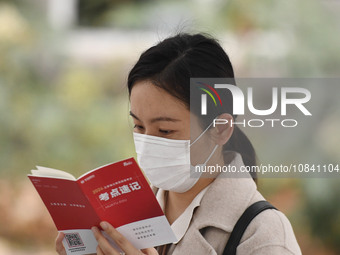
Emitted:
pixel 103 243
pixel 119 239
pixel 59 247
pixel 99 251
pixel 150 251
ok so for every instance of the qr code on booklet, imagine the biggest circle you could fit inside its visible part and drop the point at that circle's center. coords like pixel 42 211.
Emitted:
pixel 73 240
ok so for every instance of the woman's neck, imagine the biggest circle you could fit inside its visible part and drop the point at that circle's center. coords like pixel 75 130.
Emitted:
pixel 176 203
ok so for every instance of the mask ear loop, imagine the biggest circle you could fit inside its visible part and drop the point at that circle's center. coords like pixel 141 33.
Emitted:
pixel 213 151
pixel 201 134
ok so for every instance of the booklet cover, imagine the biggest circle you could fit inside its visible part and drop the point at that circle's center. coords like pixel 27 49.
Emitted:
pixel 117 193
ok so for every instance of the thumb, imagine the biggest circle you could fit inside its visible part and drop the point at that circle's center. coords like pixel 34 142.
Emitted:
pixel 59 244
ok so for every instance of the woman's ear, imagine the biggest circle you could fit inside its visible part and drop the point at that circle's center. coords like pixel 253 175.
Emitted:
pixel 223 128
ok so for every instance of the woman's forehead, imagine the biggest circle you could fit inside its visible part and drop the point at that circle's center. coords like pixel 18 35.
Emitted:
pixel 148 98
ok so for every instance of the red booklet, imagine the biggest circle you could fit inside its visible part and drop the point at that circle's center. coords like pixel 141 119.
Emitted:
pixel 117 193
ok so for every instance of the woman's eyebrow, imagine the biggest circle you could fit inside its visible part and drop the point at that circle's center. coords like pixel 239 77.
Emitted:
pixel 134 116
pixel 161 118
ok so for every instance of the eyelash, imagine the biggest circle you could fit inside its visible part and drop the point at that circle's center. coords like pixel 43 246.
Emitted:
pixel 166 132
pixel 138 127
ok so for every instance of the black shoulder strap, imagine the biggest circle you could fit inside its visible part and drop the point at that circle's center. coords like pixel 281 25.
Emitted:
pixel 241 225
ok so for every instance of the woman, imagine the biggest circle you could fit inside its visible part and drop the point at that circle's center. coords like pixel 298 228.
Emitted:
pixel 202 211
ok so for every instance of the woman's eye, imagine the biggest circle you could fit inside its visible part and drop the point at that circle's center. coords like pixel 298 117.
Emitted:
pixel 166 132
pixel 138 127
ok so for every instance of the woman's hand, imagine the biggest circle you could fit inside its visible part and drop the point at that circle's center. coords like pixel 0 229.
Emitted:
pixel 104 247
pixel 59 244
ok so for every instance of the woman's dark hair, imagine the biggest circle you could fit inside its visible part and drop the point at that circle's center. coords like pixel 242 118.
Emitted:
pixel 171 63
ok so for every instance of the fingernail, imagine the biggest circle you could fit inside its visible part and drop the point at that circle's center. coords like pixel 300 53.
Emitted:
pixel 104 225
pixel 94 229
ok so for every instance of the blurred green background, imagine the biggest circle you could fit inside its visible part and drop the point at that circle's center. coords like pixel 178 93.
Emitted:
pixel 63 101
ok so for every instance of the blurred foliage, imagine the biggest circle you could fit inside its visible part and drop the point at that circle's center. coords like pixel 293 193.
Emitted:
pixel 322 210
pixel 300 35
pixel 133 14
pixel 66 113
pixel 93 13
pixel 55 111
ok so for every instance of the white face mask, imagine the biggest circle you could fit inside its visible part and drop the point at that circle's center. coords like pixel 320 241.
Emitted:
pixel 166 162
